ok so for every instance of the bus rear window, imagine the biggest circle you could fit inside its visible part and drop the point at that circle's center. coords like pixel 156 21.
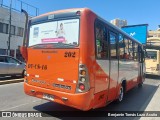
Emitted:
pixel 151 55
pixel 65 32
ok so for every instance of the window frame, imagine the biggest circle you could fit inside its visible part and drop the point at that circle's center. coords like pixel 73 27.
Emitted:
pixel 113 32
pixel 20 31
pixel 2 25
pixel 98 21
pixel 13 28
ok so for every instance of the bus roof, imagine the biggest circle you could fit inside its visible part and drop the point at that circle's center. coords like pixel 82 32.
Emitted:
pixel 61 11
pixel 87 9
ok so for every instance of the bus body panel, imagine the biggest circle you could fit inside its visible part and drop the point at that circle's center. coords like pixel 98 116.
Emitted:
pixel 87 55
pixel 113 86
pixel 46 68
pixel 83 101
pixel 98 77
pixel 128 70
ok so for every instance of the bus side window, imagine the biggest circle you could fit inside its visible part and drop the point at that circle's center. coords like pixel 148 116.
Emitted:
pixel 130 49
pixel 101 41
pixel 121 46
pixel 141 56
pixel 126 53
pixel 135 53
pixel 113 45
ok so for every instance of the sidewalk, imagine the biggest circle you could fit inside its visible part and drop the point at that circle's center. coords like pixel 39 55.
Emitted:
pixel 154 105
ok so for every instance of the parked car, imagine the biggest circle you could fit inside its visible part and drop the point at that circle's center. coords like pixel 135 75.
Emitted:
pixel 10 66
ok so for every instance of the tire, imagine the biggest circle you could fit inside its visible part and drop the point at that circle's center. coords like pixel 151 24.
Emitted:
pixel 140 85
pixel 121 95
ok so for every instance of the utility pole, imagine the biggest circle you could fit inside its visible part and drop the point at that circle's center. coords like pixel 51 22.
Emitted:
pixel 10 18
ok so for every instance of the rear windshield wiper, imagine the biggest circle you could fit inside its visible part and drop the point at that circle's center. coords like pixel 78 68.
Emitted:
pixel 53 45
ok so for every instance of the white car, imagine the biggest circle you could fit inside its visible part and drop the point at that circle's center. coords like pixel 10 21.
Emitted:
pixel 10 66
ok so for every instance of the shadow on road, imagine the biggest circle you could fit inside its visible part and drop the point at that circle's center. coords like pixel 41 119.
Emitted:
pixel 136 99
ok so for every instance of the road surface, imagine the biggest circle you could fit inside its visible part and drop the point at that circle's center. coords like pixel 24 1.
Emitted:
pixel 12 98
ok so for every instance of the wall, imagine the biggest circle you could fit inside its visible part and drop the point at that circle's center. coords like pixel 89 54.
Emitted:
pixel 18 20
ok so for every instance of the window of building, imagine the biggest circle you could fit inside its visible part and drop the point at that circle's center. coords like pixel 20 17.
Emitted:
pixel 3 28
pixel 13 29
pixel 3 51
pixel 101 41
pixel 20 31
pixel 2 59
pixel 12 53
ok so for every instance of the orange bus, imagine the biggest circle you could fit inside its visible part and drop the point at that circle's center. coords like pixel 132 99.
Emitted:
pixel 78 59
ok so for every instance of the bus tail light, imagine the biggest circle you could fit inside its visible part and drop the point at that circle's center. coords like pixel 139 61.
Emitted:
pixel 83 81
pixel 81 87
pixel 83 72
pixel 158 67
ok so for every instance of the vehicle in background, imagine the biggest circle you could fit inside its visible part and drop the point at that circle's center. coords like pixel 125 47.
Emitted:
pixel 152 59
pixel 78 59
pixel 10 66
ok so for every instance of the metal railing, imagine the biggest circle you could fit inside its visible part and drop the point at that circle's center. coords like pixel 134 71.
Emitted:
pixel 17 5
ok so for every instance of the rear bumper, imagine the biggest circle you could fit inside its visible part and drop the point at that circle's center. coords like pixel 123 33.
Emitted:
pixel 82 101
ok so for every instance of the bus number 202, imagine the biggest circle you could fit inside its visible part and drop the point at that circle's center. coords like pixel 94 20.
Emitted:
pixel 69 54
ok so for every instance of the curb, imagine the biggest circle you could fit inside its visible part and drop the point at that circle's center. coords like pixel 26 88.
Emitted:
pixel 11 81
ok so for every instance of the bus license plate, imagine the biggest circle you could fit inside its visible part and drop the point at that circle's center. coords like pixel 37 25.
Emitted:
pixel 48 97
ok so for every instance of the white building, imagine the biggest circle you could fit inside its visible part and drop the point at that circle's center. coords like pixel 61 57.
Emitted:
pixel 118 22
pixel 17 29
pixel 154 36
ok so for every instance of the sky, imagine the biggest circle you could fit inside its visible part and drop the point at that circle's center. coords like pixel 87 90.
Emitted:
pixel 134 11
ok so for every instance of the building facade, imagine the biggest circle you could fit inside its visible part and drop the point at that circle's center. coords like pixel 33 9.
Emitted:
pixel 17 31
pixel 154 36
pixel 17 25
pixel 118 22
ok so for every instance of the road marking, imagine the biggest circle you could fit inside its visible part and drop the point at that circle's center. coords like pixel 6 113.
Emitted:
pixel 19 105
pixel 2 82
pixel 11 79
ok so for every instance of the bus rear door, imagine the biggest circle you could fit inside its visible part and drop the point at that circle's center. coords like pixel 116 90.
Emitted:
pixel 114 72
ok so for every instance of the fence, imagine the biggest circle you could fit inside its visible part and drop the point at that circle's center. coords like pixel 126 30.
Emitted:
pixel 17 5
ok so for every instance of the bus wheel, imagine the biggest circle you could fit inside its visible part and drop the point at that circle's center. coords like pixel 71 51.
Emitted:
pixel 140 85
pixel 120 96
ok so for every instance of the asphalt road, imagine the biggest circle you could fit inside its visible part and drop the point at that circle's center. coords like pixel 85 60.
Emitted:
pixel 12 98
